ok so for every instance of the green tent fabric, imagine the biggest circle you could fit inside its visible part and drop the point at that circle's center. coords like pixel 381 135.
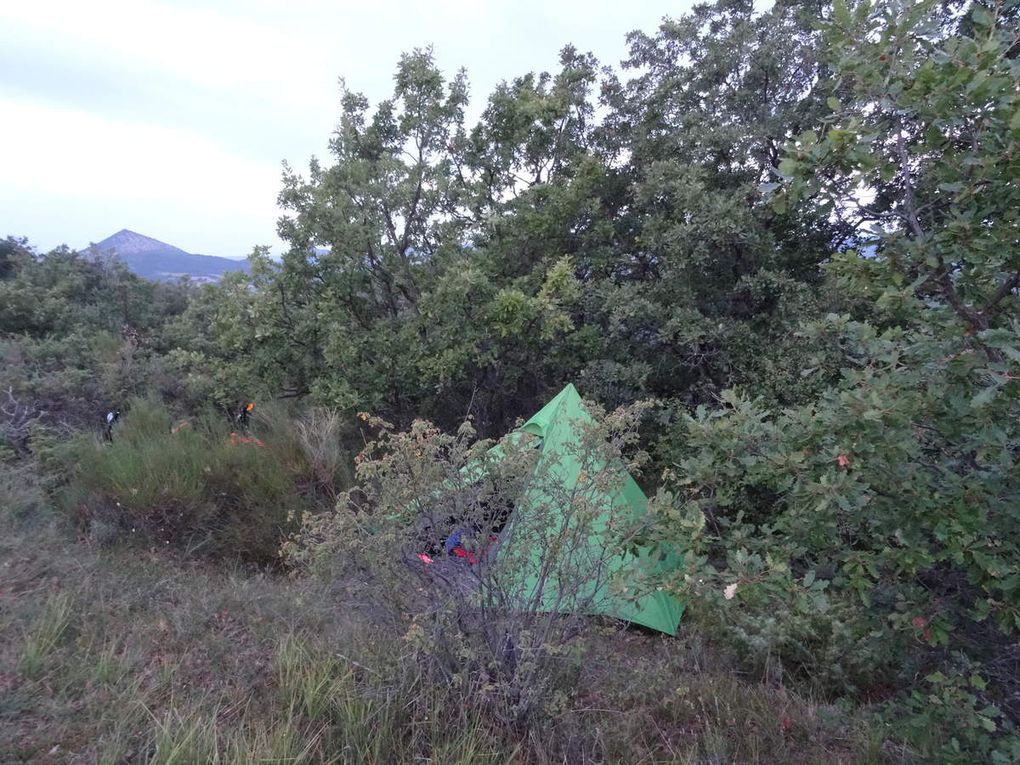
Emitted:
pixel 590 576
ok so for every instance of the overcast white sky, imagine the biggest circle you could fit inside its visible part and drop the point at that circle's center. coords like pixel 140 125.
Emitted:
pixel 171 117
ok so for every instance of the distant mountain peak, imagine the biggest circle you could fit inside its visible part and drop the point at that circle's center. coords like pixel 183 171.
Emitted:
pixel 152 259
pixel 127 242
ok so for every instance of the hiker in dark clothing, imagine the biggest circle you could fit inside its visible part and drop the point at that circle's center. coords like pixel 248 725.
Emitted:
pixel 242 418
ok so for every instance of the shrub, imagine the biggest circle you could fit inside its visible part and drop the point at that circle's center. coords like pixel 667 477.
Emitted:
pixel 314 445
pixel 867 534
pixel 502 617
pixel 949 719
pixel 194 486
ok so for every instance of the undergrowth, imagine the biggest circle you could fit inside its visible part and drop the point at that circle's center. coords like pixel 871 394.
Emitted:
pixel 115 654
pixel 196 484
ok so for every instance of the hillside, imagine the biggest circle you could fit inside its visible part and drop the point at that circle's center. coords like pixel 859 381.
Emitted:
pixel 153 259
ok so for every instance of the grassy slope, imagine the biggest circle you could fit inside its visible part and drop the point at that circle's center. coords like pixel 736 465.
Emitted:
pixel 129 654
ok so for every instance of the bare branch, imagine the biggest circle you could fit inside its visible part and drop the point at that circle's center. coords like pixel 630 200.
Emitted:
pixel 17 421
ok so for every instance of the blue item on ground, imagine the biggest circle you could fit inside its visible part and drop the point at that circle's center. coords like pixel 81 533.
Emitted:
pixel 454 540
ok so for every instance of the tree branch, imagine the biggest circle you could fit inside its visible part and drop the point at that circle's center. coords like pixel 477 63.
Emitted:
pixel 1005 289
pixel 908 184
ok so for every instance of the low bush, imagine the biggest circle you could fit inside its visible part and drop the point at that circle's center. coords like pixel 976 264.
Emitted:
pixel 193 484
pixel 487 598
pixel 315 444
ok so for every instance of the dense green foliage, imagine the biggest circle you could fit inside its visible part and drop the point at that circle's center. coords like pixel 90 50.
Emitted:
pixel 797 230
pixel 881 516
pixel 585 228
pixel 78 337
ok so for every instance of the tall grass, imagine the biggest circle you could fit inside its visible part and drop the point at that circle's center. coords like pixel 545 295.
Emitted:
pixel 383 716
pixel 203 487
pixel 312 683
pixel 321 433
pixel 316 444
pixel 112 657
pixel 194 486
pixel 45 633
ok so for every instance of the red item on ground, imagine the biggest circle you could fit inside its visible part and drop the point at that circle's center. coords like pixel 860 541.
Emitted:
pixel 425 558
pixel 460 552
pixel 236 439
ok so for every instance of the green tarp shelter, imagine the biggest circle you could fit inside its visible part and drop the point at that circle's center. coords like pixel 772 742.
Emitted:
pixel 597 575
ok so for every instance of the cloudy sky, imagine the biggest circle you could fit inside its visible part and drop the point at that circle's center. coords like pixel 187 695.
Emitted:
pixel 171 117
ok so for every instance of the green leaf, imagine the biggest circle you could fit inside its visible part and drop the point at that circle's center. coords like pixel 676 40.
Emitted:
pixel 787 167
pixel 982 16
pixel 984 397
pixel 834 103
pixel 1011 352
pixel 840 13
